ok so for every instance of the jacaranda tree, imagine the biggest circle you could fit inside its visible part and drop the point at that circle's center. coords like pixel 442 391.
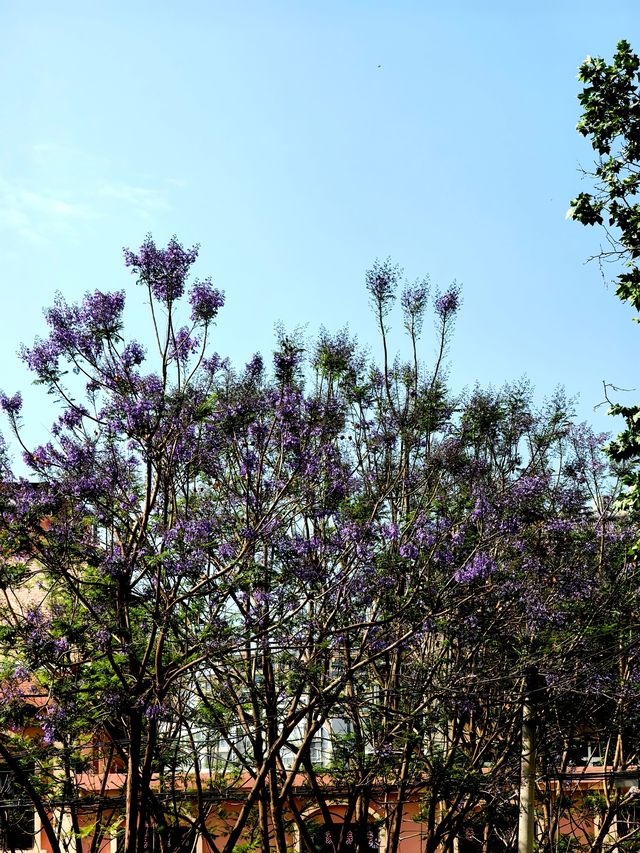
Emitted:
pixel 253 590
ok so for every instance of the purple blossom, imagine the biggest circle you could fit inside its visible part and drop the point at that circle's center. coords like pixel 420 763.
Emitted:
pixel 82 328
pixel 113 700
pixel 103 636
pixel 21 673
pixel 214 363
pixel 62 645
pixel 262 597
pixel 377 642
pixel 409 551
pixel 528 488
pixel 466 705
pixel 132 354
pixel 423 533
pixel 457 536
pixel 52 718
pixel 226 551
pixel 205 301
pixel 114 565
pixel 248 463
pixel 286 360
pixel 164 271
pixel 255 366
pixel 77 330
pixel 381 282
pixel 414 297
pixel 413 301
pixel 184 345
pixel 11 405
pixel 100 311
pixel 448 303
pixel 71 418
pixel 560 525
pixel 42 359
pixel 481 508
pixel 139 414
pixel 153 710
pixel 480 566
pixel 390 531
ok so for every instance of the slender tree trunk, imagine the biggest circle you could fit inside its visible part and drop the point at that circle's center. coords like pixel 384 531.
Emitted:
pixel 277 816
pixel 69 779
pixel 263 819
pixel 393 839
pixel 526 814
pixel 132 801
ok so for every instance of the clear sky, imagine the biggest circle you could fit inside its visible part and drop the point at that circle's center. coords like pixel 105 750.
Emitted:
pixel 298 141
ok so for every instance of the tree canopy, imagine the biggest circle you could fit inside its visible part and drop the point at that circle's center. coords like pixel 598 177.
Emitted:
pixel 331 575
pixel 610 120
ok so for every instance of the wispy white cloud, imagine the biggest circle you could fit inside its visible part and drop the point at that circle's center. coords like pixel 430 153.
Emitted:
pixel 49 205
pixel 177 182
pixel 33 213
pixel 36 208
pixel 142 199
pixel 18 222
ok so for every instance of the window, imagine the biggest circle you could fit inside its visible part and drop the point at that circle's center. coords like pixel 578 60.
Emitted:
pixel 585 752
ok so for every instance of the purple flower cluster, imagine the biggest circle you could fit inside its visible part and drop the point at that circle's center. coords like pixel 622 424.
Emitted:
pixel 448 303
pixel 409 551
pixel 137 414
pixel 390 531
pixel 213 363
pixel 205 301
pixel 481 507
pixel 164 271
pixel 82 327
pixel 114 565
pixel 102 312
pixel 528 488
pixel 70 419
pixel 287 360
pixel 414 301
pixel 184 346
pixel 21 673
pixel 424 532
pixel 226 551
pixel 103 637
pixel 77 331
pixel 41 359
pixel 153 710
pixel 255 366
pixel 52 719
pixel 479 567
pixel 132 355
pixel 381 282
pixel 11 405
pixel 39 640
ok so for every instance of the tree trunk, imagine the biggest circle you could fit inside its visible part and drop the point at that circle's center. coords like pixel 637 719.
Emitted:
pixel 526 815
pixel 132 801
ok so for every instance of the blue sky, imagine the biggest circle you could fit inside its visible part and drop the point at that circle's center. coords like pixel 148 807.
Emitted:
pixel 297 142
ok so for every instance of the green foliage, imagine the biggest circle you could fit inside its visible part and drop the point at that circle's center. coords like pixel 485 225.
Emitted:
pixel 610 119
